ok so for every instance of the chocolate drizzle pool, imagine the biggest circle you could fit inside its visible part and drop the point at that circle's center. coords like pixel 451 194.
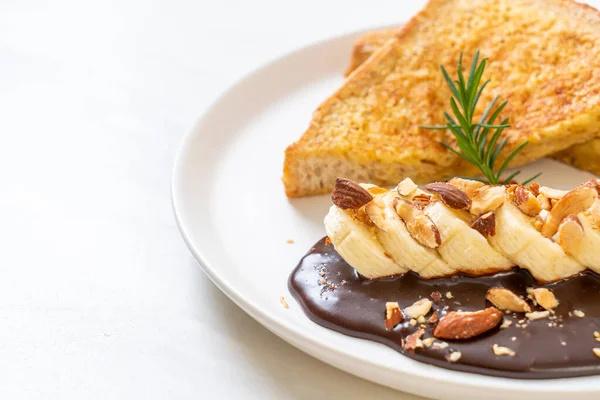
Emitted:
pixel 334 296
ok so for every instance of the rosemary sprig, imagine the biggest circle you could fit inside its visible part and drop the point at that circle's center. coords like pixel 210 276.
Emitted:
pixel 479 142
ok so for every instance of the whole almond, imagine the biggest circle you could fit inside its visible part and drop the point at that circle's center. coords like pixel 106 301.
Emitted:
pixel 451 195
pixel 349 195
pixel 486 224
pixel 465 325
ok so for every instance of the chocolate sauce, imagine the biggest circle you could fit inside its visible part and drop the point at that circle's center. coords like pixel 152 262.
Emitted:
pixel 333 295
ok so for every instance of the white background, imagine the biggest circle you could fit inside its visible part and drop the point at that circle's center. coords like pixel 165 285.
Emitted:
pixel 99 298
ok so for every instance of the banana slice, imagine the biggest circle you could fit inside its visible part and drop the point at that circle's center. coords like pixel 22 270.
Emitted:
pixel 399 244
pixel 358 245
pixel 463 248
pixel 518 240
pixel 584 244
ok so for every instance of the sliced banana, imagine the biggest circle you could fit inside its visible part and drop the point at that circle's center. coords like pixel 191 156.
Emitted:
pixel 462 247
pixel 375 239
pixel 358 245
pixel 586 249
pixel 518 240
pixel 400 245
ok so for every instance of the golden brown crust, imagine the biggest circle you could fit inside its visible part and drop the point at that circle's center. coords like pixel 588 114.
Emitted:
pixel 583 156
pixel 540 56
pixel 366 45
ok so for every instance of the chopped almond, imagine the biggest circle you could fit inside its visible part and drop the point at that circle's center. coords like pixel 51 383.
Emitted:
pixel 393 315
pixel 504 299
pixel 503 351
pixel 544 297
pixel 419 308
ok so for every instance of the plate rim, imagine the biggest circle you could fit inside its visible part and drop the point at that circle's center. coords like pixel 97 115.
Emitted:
pixel 476 382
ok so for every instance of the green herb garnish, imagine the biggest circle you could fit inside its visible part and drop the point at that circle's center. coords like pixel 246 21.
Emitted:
pixel 472 137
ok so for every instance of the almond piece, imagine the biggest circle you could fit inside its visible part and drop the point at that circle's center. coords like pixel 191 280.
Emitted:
pixel 421 200
pixel 593 215
pixel 419 225
pixel 554 194
pixel 570 233
pixel 574 202
pixel 505 323
pixel 544 297
pixel 502 351
pixel 504 299
pixel 375 211
pixel 469 186
pixel 485 224
pixel 537 315
pixel 593 182
pixel 413 340
pixel 534 188
pixel 407 187
pixel 434 318
pixel 526 202
pixel 544 202
pixel 393 315
pixel 376 190
pixel 283 302
pixel 436 296
pixel 361 215
pixel 454 356
pixel 419 308
pixel 487 198
pixel 465 325
pixel 450 195
pixel 349 195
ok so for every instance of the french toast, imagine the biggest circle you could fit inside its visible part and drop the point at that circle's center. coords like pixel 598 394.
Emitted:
pixel 367 44
pixel 583 156
pixel 370 128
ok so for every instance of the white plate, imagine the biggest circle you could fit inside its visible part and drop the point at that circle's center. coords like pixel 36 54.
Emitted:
pixel 232 212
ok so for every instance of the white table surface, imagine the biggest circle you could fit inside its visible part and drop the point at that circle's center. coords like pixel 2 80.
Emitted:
pixel 99 297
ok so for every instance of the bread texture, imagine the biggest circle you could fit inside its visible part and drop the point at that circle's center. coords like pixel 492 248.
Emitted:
pixel 543 58
pixel 584 156
pixel 368 44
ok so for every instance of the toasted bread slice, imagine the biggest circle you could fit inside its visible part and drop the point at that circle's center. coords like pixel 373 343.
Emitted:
pixel 542 56
pixel 367 45
pixel 583 156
